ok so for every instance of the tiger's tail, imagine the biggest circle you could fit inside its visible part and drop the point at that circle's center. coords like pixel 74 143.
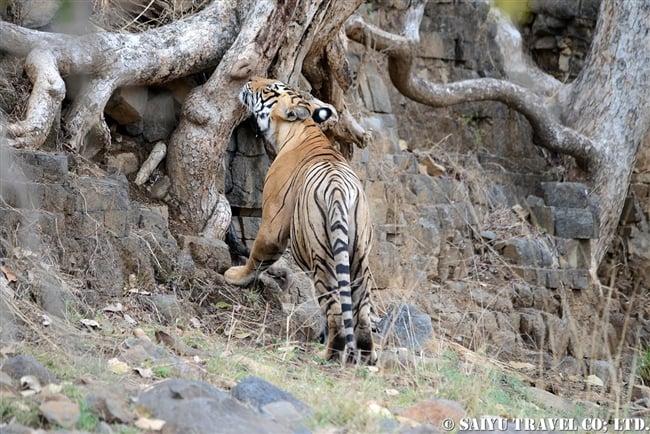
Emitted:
pixel 339 229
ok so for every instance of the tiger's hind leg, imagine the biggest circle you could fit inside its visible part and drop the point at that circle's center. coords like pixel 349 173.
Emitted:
pixel 362 325
pixel 332 328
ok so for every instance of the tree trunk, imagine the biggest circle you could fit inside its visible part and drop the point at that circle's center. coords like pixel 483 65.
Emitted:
pixel 605 112
pixel 108 61
pixel 242 38
pixel 270 33
pixel 610 103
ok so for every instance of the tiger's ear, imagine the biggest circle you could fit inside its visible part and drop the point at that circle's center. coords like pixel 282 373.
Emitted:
pixel 322 114
pixel 294 113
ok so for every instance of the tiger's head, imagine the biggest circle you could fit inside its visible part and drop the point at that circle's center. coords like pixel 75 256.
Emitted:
pixel 272 102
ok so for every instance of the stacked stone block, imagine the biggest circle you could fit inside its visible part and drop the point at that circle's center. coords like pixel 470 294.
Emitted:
pixel 569 220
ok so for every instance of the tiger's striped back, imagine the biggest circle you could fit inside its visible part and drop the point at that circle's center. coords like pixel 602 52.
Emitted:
pixel 312 196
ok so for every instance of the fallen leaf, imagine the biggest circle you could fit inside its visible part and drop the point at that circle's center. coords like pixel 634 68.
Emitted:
pixel 145 423
pixel 195 322
pixel 115 307
pixel 46 320
pixel 391 392
pixel 144 372
pixel 90 323
pixel 521 365
pixel 117 366
pixel 223 305
pixel 129 319
pixel 29 382
pixel 165 339
pixel 594 381
pixel 378 410
pixel 11 277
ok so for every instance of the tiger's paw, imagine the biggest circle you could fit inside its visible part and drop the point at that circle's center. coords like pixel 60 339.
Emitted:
pixel 239 276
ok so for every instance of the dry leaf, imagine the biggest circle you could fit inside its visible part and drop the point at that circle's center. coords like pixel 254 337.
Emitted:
pixel 195 322
pixel 129 319
pixel 90 323
pixel 117 366
pixel 145 423
pixel 594 381
pixel 115 307
pixel 46 320
pixel 521 365
pixel 11 277
pixel 144 372
pixel 29 382
pixel 391 392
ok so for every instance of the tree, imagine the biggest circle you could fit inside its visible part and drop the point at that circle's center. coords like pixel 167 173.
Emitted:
pixel 600 119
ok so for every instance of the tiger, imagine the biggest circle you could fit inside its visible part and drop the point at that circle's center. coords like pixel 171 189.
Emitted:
pixel 312 198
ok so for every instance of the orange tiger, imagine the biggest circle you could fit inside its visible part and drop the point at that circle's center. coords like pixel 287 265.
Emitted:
pixel 312 197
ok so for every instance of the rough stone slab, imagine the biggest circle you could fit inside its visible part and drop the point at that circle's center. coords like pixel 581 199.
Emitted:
pixel 565 194
pixel 574 253
pixel 526 251
pixel 159 117
pixel 45 166
pixel 540 214
pixel 100 194
pixel 259 393
pixel 578 223
pixel 128 104
pixel 407 326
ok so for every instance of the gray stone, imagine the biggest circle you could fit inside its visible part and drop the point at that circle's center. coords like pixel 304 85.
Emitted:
pixel 406 326
pixel 528 252
pixel 24 364
pixel 197 407
pixel 128 104
pixel 109 405
pixel 259 393
pixel 126 162
pixel 159 117
pixel 565 194
pixel 43 166
pixel 37 13
pixel 214 254
pixel 575 223
pixel 374 91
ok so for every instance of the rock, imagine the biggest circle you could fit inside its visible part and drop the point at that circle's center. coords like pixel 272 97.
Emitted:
pixel 197 407
pixel 258 393
pixel 602 369
pixel 109 406
pixel 550 401
pixel 61 412
pixel 159 117
pixel 128 104
pixel 24 364
pixel 167 306
pixel 575 223
pixel 127 162
pixel 406 326
pixel 211 253
pixel 434 412
pixel 38 13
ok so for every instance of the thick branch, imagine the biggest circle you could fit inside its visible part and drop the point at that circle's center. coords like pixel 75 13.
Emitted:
pixel 550 133
pixel 210 113
pixel 44 103
pixel 112 60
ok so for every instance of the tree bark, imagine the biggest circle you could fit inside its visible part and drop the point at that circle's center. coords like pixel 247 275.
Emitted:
pixel 278 33
pixel 602 116
pixel 109 61
pixel 610 102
